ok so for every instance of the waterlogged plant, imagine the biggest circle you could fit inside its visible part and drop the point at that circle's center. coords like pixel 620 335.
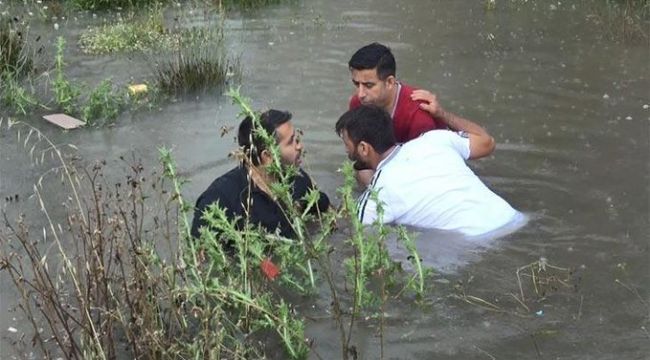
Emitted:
pixel 15 62
pixel 246 4
pixel 234 280
pixel 370 258
pixel 65 92
pixel 104 104
pixel 627 20
pixel 141 285
pixel 132 35
pixel 14 95
pixel 113 4
pixel 15 57
pixel 197 62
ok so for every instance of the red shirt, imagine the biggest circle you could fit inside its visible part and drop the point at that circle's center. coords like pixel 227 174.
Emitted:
pixel 409 121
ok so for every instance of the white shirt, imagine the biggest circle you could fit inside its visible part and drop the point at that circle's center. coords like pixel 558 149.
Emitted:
pixel 426 183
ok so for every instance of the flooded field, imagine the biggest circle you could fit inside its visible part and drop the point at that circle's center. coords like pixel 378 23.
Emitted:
pixel 568 106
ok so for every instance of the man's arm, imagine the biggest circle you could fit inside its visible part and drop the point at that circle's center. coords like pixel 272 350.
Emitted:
pixel 480 142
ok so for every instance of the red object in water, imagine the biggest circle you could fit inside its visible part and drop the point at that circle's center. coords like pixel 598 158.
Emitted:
pixel 269 269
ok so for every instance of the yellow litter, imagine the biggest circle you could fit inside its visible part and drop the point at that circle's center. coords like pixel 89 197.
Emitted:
pixel 137 89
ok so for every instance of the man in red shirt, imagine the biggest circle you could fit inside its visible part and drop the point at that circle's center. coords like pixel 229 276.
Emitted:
pixel 372 69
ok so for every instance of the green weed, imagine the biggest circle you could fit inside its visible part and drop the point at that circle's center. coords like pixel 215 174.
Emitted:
pixel 14 95
pixel 113 4
pixel 627 20
pixel 66 93
pixel 141 286
pixel 247 5
pixel 128 35
pixel 14 54
pixel 198 63
pixel 104 104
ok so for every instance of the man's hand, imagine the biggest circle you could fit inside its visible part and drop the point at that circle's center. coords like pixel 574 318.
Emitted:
pixel 430 102
pixel 480 142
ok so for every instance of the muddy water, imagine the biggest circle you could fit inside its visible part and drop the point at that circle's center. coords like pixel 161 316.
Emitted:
pixel 567 106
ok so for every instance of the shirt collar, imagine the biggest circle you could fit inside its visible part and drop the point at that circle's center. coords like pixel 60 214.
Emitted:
pixel 399 89
pixel 388 158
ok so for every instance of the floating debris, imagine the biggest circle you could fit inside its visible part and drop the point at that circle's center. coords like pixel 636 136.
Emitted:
pixel 65 121
pixel 138 89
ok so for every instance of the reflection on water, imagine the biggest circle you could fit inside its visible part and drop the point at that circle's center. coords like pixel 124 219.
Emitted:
pixel 568 108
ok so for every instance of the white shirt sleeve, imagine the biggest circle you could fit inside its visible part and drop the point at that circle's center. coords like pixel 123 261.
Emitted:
pixel 460 143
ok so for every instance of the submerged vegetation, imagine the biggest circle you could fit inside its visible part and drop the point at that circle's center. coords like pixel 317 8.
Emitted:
pixel 625 19
pixel 246 4
pixel 112 4
pixel 143 288
pixel 134 35
pixel 65 93
pixel 14 95
pixel 16 62
pixel 14 54
pixel 104 103
pixel 183 59
pixel 198 62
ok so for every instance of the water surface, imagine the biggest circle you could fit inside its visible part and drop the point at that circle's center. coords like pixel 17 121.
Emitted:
pixel 567 106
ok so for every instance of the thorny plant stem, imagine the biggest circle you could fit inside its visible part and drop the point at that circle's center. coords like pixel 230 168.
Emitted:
pixel 73 277
pixel 212 297
pixel 59 156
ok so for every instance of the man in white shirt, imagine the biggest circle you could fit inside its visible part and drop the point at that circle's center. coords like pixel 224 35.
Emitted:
pixel 424 182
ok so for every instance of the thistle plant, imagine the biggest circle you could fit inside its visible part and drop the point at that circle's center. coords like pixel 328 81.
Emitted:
pixel 65 93
pixel 141 284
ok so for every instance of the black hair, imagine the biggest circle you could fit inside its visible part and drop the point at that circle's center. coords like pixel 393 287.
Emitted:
pixel 249 138
pixel 374 56
pixel 368 123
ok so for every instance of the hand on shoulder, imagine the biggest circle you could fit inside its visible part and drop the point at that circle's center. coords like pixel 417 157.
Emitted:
pixel 428 102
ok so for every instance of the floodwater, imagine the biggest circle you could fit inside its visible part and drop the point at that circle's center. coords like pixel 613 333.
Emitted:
pixel 567 105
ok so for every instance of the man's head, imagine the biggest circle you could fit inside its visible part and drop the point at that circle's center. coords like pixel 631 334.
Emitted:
pixel 274 123
pixel 367 133
pixel 372 69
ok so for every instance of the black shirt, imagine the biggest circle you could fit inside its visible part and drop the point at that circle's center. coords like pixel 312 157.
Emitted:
pixel 231 190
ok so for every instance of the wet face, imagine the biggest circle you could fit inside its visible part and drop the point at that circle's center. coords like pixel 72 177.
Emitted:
pixel 289 143
pixel 370 89
pixel 353 151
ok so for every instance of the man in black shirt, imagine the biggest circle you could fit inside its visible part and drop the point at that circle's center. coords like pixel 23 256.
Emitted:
pixel 244 191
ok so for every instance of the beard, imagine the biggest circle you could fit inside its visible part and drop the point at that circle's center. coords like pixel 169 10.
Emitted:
pixel 358 163
pixel 295 160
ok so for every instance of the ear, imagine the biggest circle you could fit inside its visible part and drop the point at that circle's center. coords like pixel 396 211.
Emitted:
pixel 390 81
pixel 266 157
pixel 364 148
